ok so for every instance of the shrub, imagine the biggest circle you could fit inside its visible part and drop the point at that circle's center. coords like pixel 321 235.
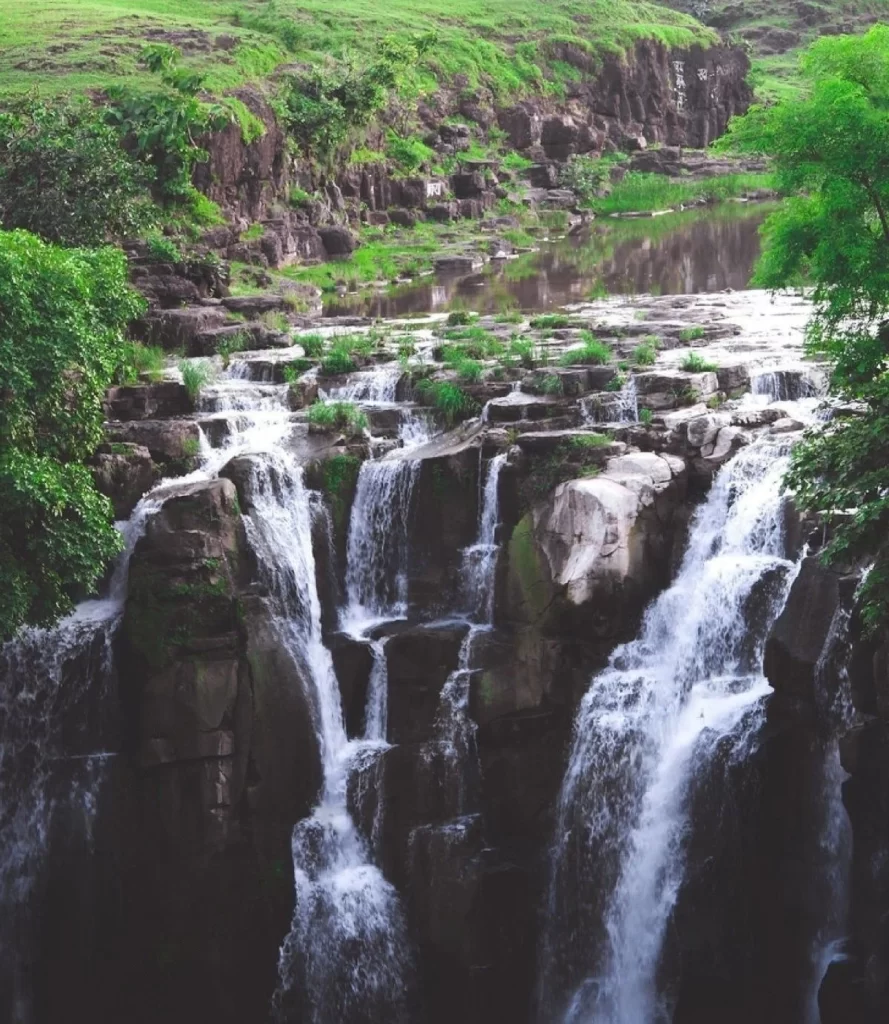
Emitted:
pixel 195 374
pixel 693 363
pixel 162 249
pixel 56 532
pixel 586 176
pixel 410 154
pixel 293 371
pixel 644 355
pixel 141 360
pixel 691 333
pixel 591 440
pixel 646 416
pixel 460 318
pixel 275 320
pixel 345 416
pixel 64 175
pixel 591 353
pixel 451 400
pixel 551 385
pixel 299 197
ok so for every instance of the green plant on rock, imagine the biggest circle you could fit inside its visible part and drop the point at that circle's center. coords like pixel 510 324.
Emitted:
pixel 617 382
pixel 691 333
pixel 552 385
pixel 196 373
pixel 162 249
pixel 646 416
pixel 338 360
pixel 522 352
pixel 410 154
pixel 448 398
pixel 339 477
pixel 344 416
pixel 56 531
pixel 591 353
pixel 141 361
pixel 694 363
pixel 229 344
pixel 460 318
pixel 311 344
pixel 551 321
pixel 294 370
pixel 644 355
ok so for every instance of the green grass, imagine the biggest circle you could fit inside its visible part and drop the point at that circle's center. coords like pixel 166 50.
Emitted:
pixel 639 192
pixel 195 374
pixel 646 416
pixel 692 333
pixel 592 353
pixel 330 416
pixel 644 355
pixel 693 363
pixel 551 321
pixel 448 398
pixel 142 361
pixel 311 344
pixel 593 440
pixel 509 45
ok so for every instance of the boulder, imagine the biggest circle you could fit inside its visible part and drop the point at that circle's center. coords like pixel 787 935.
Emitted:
pixel 123 473
pixel 338 241
pixel 176 329
pixel 148 401
pixel 800 632
pixel 175 443
pixel 468 184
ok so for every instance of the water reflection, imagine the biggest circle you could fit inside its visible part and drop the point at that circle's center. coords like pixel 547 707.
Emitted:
pixel 681 253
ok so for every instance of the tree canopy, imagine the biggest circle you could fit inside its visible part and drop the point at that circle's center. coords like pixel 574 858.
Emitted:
pixel 831 154
pixel 62 318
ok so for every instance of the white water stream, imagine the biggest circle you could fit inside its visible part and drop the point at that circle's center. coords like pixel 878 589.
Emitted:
pixel 648 723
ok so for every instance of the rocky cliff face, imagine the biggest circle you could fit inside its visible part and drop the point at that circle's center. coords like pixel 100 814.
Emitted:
pixel 650 95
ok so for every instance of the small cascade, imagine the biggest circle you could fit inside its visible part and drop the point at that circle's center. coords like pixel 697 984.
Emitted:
pixel 371 387
pixel 346 956
pixel 668 702
pixel 617 407
pixel 786 385
pixel 479 560
pixel 377 545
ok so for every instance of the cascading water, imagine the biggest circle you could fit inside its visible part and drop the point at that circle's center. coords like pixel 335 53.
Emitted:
pixel 479 559
pixel 648 724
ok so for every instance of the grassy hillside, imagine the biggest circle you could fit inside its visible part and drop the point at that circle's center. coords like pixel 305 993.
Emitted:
pixel 510 45
pixel 777 30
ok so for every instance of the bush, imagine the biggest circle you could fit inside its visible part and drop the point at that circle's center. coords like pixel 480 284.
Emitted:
pixel 644 355
pixel 551 385
pixel 460 318
pixel 591 440
pixel 646 416
pixel 56 531
pixel 330 416
pixel 693 363
pixel 162 249
pixel 451 400
pixel 592 353
pixel 586 176
pixel 195 374
pixel 409 154
pixel 64 175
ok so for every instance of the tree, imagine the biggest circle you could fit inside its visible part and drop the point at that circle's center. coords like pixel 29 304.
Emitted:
pixel 62 318
pixel 831 153
pixel 64 175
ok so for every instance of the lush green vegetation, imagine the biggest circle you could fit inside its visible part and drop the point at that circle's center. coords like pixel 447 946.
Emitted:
pixel 344 416
pixel 694 363
pixel 62 316
pixel 195 374
pixel 831 150
pixel 448 398
pixel 638 192
pixel 513 46
pixel 592 352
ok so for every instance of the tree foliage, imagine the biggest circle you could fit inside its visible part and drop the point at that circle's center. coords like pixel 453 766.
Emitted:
pixel 64 175
pixel 62 315
pixel 831 152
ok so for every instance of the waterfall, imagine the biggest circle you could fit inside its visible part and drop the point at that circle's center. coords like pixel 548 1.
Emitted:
pixel 377 545
pixel 373 387
pixel 346 956
pixel 649 722
pixel 619 407
pixel 479 560
pixel 785 385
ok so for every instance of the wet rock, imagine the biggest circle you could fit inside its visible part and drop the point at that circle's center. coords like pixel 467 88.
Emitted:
pixel 457 264
pixel 123 473
pixel 148 401
pixel 800 631
pixel 786 425
pixel 419 660
pixel 353 661
pixel 169 441
pixel 176 329
pixel 468 185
